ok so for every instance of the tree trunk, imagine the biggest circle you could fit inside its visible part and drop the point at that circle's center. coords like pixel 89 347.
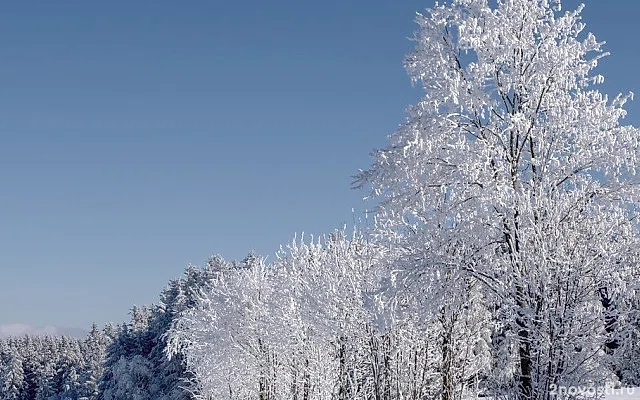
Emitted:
pixel 343 390
pixel 525 386
pixel 306 394
pixel 610 325
pixel 447 359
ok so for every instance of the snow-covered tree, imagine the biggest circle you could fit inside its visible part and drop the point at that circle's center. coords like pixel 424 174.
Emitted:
pixel 319 305
pixel 227 329
pixel 95 346
pixel 515 172
pixel 11 376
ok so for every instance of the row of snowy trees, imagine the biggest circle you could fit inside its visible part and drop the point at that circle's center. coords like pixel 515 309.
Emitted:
pixel 53 368
pixel 330 320
pixel 505 250
pixel 312 325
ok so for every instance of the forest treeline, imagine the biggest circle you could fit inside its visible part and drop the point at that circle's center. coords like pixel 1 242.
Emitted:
pixel 313 324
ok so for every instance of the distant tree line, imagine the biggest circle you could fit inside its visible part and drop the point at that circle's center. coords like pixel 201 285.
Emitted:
pixel 126 361
pixel 53 368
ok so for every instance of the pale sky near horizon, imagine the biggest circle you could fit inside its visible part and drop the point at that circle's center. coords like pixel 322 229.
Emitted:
pixel 139 137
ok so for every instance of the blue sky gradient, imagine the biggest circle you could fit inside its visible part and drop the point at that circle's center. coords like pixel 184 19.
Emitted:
pixel 139 137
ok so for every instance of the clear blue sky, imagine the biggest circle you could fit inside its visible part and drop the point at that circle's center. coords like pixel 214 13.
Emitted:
pixel 139 137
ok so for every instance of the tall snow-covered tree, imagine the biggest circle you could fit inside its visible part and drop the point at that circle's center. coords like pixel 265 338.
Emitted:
pixel 515 171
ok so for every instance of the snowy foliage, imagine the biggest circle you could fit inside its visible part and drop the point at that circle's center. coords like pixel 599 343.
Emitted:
pixel 514 171
pixel 305 326
pixel 136 365
pixel 292 328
